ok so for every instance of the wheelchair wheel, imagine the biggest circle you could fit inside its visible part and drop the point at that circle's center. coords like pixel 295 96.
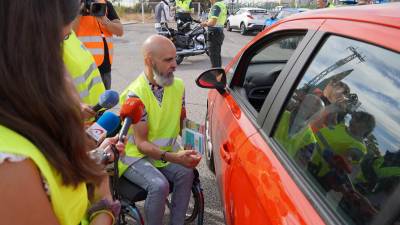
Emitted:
pixel 130 215
pixel 196 206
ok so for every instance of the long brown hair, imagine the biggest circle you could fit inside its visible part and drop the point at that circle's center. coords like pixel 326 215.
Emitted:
pixel 35 98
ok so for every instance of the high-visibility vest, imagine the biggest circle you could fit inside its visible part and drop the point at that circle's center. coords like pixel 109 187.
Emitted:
pixel 293 143
pixel 339 142
pixel 221 19
pixel 163 120
pixel 91 33
pixel 183 5
pixel 81 66
pixel 69 203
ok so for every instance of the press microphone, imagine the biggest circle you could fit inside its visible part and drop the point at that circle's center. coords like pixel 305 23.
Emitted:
pixel 106 124
pixel 131 112
pixel 107 100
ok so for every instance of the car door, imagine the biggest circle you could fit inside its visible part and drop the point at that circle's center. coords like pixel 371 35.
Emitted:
pixel 235 20
pixel 236 115
pixel 285 183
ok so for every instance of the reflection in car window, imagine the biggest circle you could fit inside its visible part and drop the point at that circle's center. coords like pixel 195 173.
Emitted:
pixel 265 66
pixel 341 126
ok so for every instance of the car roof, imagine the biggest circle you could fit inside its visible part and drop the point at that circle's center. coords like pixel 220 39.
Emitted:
pixel 384 14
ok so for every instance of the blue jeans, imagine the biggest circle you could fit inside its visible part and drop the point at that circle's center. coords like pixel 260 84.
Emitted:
pixel 155 182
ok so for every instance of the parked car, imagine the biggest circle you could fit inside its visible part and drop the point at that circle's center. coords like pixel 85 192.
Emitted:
pixel 307 132
pixel 247 19
pixel 284 12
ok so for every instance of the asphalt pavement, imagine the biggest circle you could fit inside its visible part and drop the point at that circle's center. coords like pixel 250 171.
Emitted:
pixel 128 64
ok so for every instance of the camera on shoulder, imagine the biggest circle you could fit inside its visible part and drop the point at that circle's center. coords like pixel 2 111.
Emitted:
pixel 93 8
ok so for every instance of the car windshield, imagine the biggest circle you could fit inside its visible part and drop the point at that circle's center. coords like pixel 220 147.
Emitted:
pixel 257 12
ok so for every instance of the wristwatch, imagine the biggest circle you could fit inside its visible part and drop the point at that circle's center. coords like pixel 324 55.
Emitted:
pixel 162 157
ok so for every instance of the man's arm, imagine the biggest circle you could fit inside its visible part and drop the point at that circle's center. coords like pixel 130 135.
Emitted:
pixel 111 21
pixel 187 158
pixel 215 11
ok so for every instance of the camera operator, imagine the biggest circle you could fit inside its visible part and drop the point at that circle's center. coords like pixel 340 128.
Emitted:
pixel 95 28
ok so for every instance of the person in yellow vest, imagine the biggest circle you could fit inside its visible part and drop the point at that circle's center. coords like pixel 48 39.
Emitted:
pixel 294 132
pixel 96 33
pixel 183 10
pixel 85 75
pixel 152 155
pixel 215 23
pixel 341 141
pixel 44 165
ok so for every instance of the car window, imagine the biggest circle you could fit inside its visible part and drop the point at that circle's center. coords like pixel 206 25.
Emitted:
pixel 264 66
pixel 341 126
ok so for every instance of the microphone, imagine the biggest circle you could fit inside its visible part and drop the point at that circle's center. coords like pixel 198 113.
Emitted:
pixel 107 100
pixel 107 123
pixel 131 112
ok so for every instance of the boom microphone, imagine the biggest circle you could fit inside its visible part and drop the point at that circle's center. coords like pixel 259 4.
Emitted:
pixel 131 112
pixel 107 100
pixel 107 123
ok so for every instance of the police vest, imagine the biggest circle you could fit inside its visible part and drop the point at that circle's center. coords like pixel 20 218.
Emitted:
pixel 183 5
pixel 81 66
pixel 69 203
pixel 163 120
pixel 293 143
pixel 222 15
pixel 91 33
pixel 339 141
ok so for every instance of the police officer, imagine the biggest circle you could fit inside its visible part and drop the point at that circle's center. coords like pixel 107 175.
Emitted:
pixel 215 24
pixel 183 10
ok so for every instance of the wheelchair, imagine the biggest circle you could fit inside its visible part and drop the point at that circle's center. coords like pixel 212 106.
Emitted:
pixel 129 194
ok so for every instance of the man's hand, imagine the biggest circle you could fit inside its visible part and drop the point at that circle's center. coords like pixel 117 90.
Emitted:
pixel 103 20
pixel 203 24
pixel 188 158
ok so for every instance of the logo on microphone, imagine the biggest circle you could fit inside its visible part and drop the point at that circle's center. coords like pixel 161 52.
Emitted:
pixel 96 131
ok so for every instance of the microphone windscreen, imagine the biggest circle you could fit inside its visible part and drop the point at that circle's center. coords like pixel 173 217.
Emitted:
pixel 109 121
pixel 132 108
pixel 109 99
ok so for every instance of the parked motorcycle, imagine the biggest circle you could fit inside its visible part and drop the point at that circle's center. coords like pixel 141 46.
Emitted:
pixel 190 38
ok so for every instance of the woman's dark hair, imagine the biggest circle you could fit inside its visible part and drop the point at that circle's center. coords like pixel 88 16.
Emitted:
pixel 36 99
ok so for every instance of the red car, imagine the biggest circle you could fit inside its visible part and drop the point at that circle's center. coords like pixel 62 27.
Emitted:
pixel 303 125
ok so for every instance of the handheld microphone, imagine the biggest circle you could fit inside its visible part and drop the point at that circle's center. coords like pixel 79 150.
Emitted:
pixel 107 100
pixel 131 112
pixel 106 124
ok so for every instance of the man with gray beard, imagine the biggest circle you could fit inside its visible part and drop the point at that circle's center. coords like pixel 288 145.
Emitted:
pixel 152 155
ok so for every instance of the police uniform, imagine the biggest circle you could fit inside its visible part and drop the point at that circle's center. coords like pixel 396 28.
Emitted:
pixel 216 33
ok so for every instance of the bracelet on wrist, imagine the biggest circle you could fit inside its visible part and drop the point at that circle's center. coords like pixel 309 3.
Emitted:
pixel 94 214
pixel 162 157
pixel 112 208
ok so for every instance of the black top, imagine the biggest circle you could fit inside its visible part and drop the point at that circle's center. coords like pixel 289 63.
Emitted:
pixel 105 67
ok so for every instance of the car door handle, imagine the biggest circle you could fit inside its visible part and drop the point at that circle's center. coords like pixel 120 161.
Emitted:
pixel 224 151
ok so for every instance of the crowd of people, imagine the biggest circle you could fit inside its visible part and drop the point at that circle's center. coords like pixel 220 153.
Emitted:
pixel 50 84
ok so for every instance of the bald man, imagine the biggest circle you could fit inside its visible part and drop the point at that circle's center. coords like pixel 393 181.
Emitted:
pixel 153 157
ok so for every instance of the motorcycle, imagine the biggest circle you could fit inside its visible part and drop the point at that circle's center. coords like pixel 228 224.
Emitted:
pixel 189 38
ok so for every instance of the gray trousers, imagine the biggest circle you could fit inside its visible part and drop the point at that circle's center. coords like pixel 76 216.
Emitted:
pixel 106 77
pixel 155 182
pixel 215 40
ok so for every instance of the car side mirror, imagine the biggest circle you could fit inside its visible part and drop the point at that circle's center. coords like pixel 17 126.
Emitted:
pixel 213 79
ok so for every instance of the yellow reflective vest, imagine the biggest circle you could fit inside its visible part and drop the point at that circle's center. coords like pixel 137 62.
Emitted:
pixel 69 203
pixel 80 64
pixel 293 143
pixel 221 19
pixel 183 6
pixel 163 120
pixel 339 141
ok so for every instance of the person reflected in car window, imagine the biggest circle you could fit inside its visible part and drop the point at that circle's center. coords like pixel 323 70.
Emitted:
pixel 339 148
pixel 334 96
pixel 294 133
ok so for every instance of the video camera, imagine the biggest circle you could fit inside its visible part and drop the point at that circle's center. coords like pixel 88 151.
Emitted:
pixel 93 8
